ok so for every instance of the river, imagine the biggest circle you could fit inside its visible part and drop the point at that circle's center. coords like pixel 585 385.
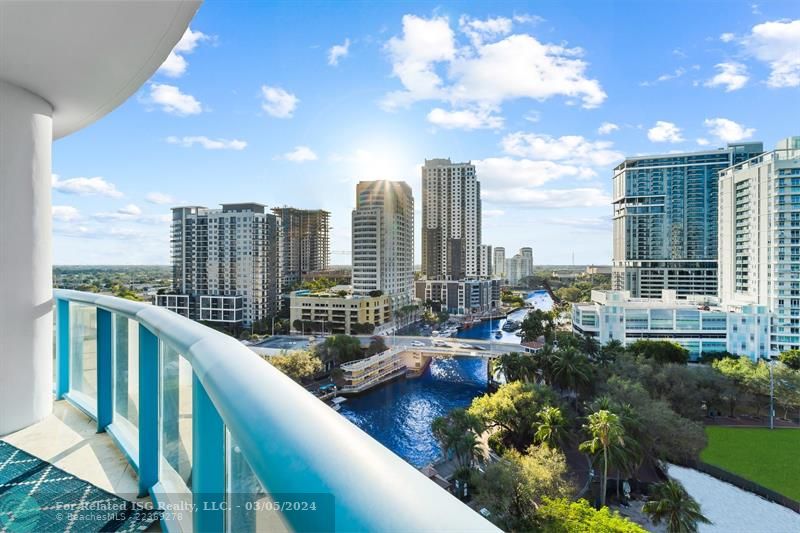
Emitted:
pixel 399 414
pixel 487 330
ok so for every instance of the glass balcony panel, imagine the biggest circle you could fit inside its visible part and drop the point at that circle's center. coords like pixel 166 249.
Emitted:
pixel 176 415
pixel 248 503
pixel 126 373
pixel 83 355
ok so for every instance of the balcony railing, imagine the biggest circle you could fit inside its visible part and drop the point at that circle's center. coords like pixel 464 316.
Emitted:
pixel 210 427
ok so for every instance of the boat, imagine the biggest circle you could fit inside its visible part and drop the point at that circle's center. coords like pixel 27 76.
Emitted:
pixel 518 334
pixel 511 325
pixel 498 334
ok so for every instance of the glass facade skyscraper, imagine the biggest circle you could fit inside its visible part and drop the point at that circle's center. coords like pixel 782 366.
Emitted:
pixel 665 220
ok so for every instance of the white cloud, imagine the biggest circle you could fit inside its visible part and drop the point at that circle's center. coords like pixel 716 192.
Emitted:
pixel 550 198
pixel 533 116
pixel 130 209
pixel 570 148
pixel 175 65
pixel 159 198
pixel 208 144
pixel 731 75
pixel 664 132
pixel 479 30
pixel 465 119
pixel 777 43
pixel 66 213
pixel 499 173
pixel 81 186
pixel 702 141
pixel 300 154
pixel 173 101
pixel 677 73
pixel 606 128
pixel 337 52
pixel 727 37
pixel 727 130
pixel 492 213
pixel 278 102
pixel 129 212
pixel 483 72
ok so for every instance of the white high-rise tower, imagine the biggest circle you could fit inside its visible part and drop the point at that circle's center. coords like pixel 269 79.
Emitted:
pixel 451 220
pixel 383 239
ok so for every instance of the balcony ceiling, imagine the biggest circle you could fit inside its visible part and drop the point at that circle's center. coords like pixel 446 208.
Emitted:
pixel 86 57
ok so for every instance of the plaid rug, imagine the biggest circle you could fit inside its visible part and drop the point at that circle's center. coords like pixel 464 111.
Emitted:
pixel 35 497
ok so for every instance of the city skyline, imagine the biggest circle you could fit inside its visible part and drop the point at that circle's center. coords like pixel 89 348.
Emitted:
pixel 223 121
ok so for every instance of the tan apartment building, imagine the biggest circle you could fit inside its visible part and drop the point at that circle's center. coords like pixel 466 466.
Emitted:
pixel 337 310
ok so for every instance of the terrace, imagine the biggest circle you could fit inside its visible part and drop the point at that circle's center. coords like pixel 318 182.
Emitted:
pixel 133 399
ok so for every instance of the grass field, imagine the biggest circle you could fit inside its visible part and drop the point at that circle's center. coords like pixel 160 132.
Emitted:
pixel 769 457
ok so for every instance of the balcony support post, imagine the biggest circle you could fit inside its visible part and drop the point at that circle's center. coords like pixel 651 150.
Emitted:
pixel 62 348
pixel 208 461
pixel 105 386
pixel 26 268
pixel 148 410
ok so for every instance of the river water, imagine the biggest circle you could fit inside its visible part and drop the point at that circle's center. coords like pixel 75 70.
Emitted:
pixel 487 330
pixel 399 414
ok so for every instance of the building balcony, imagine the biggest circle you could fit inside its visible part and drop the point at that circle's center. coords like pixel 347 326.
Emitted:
pixel 155 407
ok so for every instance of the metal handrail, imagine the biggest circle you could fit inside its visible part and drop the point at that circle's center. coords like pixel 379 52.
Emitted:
pixel 293 442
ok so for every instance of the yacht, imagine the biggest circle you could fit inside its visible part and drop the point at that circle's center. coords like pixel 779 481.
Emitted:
pixel 498 334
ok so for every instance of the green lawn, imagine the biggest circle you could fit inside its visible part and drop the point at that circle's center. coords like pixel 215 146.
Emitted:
pixel 769 457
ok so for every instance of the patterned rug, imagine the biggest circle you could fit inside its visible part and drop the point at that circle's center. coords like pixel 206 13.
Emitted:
pixel 35 497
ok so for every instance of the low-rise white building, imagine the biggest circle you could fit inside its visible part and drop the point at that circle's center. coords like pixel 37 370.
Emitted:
pixel 698 323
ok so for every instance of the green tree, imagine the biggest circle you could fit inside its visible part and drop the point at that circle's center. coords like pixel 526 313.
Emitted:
pixel 339 349
pixel 298 364
pixel 660 351
pixel 515 367
pixel 513 488
pixel 563 516
pixel 537 323
pixel 671 504
pixel 512 409
pixel 609 352
pixel 791 358
pixel 376 345
pixel 605 428
pixel 457 435
pixel 570 370
pixel 552 429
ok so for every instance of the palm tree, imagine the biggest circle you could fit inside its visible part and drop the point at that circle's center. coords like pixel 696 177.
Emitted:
pixel 552 427
pixel 605 429
pixel 610 352
pixel 590 345
pixel 457 433
pixel 570 370
pixel 671 504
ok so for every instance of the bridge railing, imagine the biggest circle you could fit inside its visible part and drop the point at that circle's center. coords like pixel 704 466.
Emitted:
pixel 212 428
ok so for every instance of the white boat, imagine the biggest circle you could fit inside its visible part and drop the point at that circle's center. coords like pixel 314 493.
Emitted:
pixel 339 400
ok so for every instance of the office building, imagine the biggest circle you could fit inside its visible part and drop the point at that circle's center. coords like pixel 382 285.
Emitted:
pixel 383 240
pixel 665 221
pixel 499 264
pixel 225 264
pixel 305 243
pixel 451 220
pixel 485 267
pixel 520 266
pixel 698 323
pixel 337 310
pixel 759 234
pixel 461 297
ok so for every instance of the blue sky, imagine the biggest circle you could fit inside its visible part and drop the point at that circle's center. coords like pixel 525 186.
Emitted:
pixel 294 103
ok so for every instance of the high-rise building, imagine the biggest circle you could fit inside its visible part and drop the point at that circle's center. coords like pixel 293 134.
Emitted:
pixel 383 239
pixel 451 220
pixel 499 265
pixel 759 240
pixel 225 264
pixel 520 266
pixel 485 267
pixel 305 243
pixel 665 221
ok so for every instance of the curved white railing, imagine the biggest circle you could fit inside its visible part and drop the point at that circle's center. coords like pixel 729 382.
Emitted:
pixel 294 443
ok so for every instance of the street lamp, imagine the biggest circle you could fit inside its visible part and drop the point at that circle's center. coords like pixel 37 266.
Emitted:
pixel 770 362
